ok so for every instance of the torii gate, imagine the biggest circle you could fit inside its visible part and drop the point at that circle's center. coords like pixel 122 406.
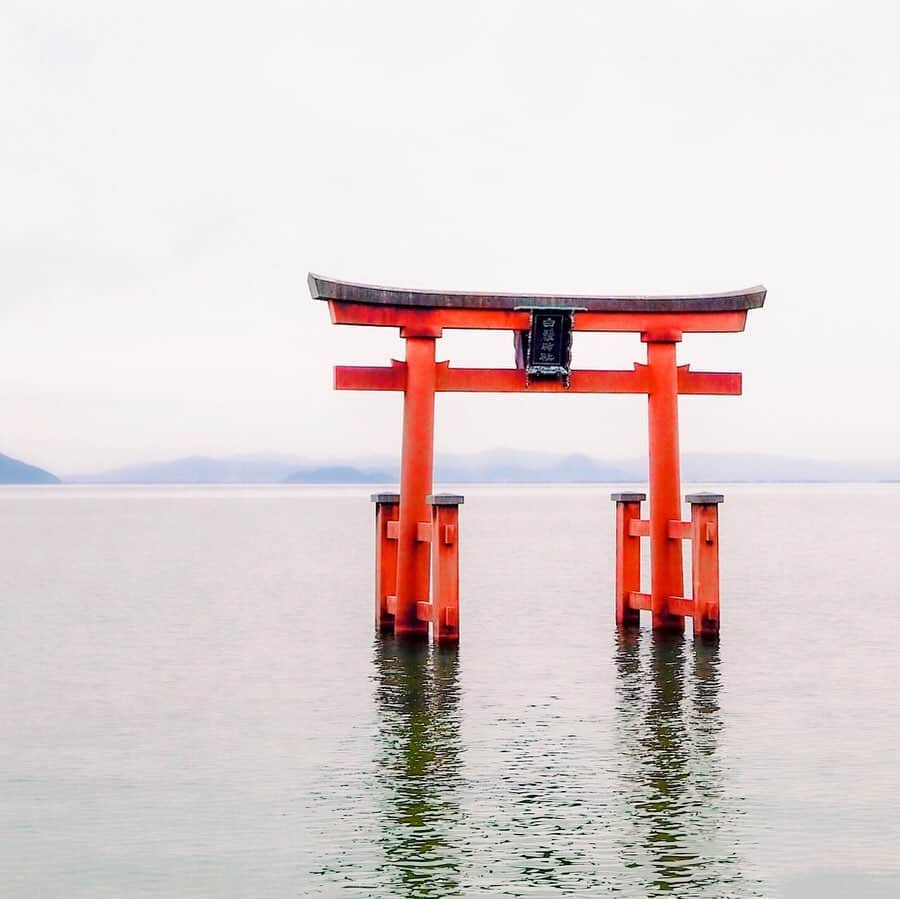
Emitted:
pixel 410 524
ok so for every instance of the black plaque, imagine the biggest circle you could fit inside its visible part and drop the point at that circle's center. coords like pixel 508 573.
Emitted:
pixel 549 344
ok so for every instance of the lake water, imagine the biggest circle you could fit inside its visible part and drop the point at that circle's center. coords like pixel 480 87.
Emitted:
pixel 194 704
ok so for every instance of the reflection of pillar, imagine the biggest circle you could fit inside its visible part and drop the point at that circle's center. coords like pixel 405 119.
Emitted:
pixel 416 467
pixel 707 679
pixel 654 732
pixel 682 837
pixel 629 683
pixel 417 694
pixel 707 686
pixel 667 576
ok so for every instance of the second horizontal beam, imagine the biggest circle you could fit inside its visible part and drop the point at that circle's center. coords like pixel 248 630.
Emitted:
pixel 515 380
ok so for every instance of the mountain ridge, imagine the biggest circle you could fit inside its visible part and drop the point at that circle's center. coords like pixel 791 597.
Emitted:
pixel 500 465
pixel 15 471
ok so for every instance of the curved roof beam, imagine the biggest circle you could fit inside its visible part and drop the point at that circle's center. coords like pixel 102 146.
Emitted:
pixel 345 291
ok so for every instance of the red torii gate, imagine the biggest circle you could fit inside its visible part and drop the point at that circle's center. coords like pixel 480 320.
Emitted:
pixel 411 523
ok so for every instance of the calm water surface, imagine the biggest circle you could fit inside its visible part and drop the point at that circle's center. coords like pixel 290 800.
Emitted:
pixel 193 703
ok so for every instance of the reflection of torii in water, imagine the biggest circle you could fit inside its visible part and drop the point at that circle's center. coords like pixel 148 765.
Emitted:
pixel 661 808
pixel 419 765
pixel 543 326
pixel 668 725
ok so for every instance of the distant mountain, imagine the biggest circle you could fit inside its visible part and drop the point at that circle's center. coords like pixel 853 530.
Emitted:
pixel 505 466
pixel 512 467
pixel 198 470
pixel 338 474
pixel 758 467
pixel 12 471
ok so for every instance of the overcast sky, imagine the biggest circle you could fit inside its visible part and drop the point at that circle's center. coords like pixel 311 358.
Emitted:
pixel 171 171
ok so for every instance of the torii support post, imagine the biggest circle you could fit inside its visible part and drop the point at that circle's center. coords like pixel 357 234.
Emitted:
pixel 445 566
pixel 387 512
pixel 666 564
pixel 628 556
pixel 416 472
pixel 442 534
pixel 705 561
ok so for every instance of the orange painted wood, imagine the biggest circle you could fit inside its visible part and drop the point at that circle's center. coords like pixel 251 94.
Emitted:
pixel 640 602
pixel 385 563
pixel 514 380
pixel 648 322
pixel 666 567
pixel 676 605
pixel 392 604
pixel 370 377
pixel 491 380
pixel 705 568
pixel 416 471
pixel 428 319
pixel 423 532
pixel 392 531
pixel 425 611
pixel 681 605
pixel 712 383
pixel 418 321
pixel 445 574
pixel 638 528
pixel 680 530
pixel 628 562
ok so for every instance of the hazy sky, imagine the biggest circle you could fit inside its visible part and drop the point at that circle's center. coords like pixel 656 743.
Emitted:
pixel 171 171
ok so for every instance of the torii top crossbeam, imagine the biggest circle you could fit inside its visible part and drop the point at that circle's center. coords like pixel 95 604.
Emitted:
pixel 425 313
pixel 542 325
pixel 347 292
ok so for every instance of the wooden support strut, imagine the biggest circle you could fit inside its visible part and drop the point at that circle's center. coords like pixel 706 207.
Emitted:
pixel 705 561
pixel 387 509
pixel 628 556
pixel 445 566
pixel 703 532
pixel 442 535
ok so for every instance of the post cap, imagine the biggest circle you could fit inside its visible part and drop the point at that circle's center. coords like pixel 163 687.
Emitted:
pixel 385 497
pixel 704 499
pixel 445 499
pixel 628 497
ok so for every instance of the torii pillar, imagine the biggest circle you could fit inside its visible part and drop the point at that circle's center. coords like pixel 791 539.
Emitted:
pixel 416 474
pixel 667 577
